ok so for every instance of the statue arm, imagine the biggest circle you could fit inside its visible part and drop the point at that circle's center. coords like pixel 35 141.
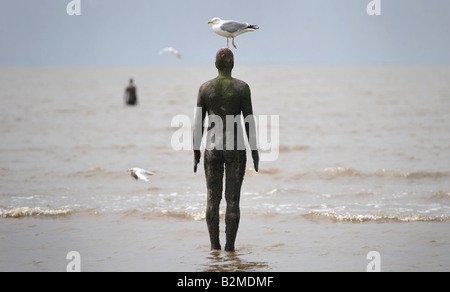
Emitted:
pixel 199 128
pixel 250 125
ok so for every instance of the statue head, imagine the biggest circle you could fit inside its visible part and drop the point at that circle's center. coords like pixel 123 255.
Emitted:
pixel 225 60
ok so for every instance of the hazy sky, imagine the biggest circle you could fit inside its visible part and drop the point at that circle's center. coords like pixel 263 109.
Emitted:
pixel 131 32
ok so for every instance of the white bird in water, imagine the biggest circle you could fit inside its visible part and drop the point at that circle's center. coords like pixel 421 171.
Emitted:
pixel 231 28
pixel 139 173
pixel 170 50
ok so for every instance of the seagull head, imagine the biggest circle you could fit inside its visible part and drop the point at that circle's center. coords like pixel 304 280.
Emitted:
pixel 215 20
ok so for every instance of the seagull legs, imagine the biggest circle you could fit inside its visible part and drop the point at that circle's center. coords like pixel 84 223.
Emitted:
pixel 228 43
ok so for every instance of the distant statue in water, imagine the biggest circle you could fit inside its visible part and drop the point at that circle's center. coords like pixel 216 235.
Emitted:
pixel 222 98
pixel 130 94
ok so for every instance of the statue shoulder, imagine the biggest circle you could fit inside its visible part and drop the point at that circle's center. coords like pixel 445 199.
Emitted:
pixel 241 86
pixel 208 85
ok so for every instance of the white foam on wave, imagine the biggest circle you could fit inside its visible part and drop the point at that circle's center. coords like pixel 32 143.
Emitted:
pixel 17 212
pixel 381 218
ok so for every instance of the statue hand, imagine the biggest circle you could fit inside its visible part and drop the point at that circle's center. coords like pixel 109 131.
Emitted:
pixel 197 155
pixel 255 156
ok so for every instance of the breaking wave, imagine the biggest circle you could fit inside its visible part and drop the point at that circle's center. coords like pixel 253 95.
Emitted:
pixel 197 216
pixel 18 212
pixel 381 218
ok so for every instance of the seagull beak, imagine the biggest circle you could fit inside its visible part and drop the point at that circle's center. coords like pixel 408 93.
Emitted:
pixel 209 22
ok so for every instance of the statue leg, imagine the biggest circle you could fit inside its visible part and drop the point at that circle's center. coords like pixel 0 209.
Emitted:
pixel 235 170
pixel 214 169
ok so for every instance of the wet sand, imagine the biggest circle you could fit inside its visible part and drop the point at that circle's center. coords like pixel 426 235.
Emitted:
pixel 126 243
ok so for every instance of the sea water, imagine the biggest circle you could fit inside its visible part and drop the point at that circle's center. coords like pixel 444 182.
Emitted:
pixel 363 165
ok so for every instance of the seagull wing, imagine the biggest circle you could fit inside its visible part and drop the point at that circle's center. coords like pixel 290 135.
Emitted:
pixel 232 26
pixel 176 53
pixel 163 51
pixel 170 50
pixel 144 174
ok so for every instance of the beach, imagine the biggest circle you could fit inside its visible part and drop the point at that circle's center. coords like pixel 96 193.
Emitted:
pixel 362 165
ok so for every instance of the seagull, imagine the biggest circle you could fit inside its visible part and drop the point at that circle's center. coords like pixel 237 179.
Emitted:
pixel 170 50
pixel 231 28
pixel 139 173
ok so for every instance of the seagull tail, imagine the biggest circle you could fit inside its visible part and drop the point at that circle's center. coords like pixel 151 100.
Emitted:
pixel 253 26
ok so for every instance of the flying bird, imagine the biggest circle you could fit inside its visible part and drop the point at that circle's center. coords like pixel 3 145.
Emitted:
pixel 231 28
pixel 139 173
pixel 170 50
